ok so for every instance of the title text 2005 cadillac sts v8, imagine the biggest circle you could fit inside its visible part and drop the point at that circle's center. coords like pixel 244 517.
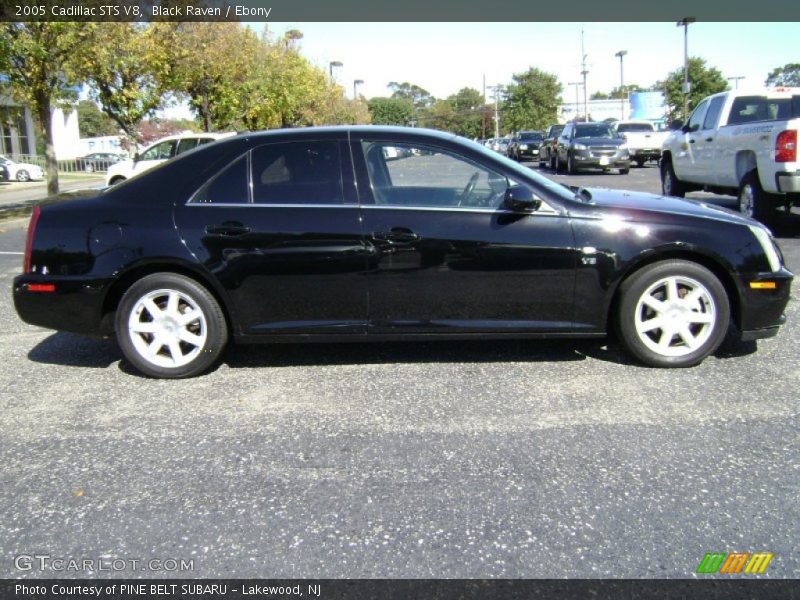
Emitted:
pixel 373 233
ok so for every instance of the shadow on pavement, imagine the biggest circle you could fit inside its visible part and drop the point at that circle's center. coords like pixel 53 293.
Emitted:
pixel 72 350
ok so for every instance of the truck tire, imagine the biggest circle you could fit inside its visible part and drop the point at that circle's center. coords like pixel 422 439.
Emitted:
pixel 754 202
pixel 670 184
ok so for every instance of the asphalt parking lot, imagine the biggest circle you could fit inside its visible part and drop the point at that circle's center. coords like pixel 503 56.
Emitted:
pixel 504 459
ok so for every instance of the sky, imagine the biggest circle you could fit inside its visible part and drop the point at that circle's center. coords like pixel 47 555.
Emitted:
pixel 445 57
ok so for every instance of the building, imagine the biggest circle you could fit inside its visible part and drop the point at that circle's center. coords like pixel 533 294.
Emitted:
pixel 640 105
pixel 17 135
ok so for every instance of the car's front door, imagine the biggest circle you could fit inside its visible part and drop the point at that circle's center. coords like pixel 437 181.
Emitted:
pixel 279 229
pixel 445 257
pixel 688 161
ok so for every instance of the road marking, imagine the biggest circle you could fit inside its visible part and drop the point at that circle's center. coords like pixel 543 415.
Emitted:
pixel 15 253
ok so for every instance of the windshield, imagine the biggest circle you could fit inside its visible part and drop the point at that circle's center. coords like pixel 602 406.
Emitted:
pixel 530 136
pixel 600 130
pixel 626 127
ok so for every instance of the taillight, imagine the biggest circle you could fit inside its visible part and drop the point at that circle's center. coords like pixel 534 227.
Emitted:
pixel 786 146
pixel 26 264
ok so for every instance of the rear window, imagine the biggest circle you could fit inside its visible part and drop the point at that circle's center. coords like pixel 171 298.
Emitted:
pixel 751 109
pixel 633 127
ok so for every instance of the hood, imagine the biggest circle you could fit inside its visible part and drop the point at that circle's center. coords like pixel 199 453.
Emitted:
pixel 641 202
pixel 598 141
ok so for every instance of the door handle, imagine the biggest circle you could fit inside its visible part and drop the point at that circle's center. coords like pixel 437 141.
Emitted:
pixel 397 236
pixel 231 228
pixel 691 141
pixel 709 139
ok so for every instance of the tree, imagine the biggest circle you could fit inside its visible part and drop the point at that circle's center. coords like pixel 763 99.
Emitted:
pixel 391 111
pixel 532 100
pixel 468 107
pixel 419 97
pixel 36 57
pixel 129 70
pixel 93 122
pixel 788 75
pixel 704 81
pixel 618 93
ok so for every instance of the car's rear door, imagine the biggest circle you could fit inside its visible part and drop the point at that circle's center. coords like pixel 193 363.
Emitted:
pixel 279 228
pixel 444 257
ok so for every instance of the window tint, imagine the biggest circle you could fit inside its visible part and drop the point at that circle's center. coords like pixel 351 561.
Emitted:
pixel 528 136
pixel 297 173
pixel 160 151
pixel 712 116
pixel 696 120
pixel 425 176
pixel 202 141
pixel 229 186
pixel 749 109
pixel 637 127
pixel 186 144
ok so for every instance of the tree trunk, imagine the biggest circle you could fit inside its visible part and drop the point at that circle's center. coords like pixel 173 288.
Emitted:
pixel 206 118
pixel 51 164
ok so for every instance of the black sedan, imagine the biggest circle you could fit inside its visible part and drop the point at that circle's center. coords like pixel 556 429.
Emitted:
pixel 317 234
pixel 525 145
pixel 97 161
pixel 591 146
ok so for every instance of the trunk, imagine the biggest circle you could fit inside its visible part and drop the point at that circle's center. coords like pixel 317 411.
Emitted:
pixel 204 110
pixel 51 165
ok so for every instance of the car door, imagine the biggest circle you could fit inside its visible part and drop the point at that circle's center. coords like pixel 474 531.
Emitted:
pixel 279 228
pixel 563 143
pixel 706 146
pixel 687 161
pixel 445 257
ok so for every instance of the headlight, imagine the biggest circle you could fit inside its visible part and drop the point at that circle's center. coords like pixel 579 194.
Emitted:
pixel 767 245
pixel 523 146
pixel 579 147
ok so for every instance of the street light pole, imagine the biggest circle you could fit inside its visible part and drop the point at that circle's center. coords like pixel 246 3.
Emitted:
pixel 735 80
pixel 356 83
pixel 621 54
pixel 585 72
pixel 686 21
pixel 334 63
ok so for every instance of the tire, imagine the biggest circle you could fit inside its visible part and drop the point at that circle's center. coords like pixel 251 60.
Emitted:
pixel 553 164
pixel 559 166
pixel 640 162
pixel 116 180
pixel 152 310
pixel 23 175
pixel 670 184
pixel 676 298
pixel 754 202
pixel 624 171
pixel 570 165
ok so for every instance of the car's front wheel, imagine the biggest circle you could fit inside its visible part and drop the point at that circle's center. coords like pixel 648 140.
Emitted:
pixel 672 313
pixel 670 184
pixel 23 175
pixel 170 326
pixel 754 202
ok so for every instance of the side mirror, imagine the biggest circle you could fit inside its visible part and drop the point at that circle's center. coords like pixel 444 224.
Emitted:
pixel 135 157
pixel 676 124
pixel 521 199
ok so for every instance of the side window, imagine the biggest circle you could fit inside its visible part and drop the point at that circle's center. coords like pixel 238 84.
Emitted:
pixel 714 109
pixel 696 120
pixel 186 144
pixel 426 176
pixel 229 186
pixel 297 173
pixel 202 141
pixel 160 151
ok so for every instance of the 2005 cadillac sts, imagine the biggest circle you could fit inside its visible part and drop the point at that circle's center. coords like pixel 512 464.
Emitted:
pixel 374 233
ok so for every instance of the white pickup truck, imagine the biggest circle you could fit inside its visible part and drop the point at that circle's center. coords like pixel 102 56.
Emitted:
pixel 742 143
pixel 644 142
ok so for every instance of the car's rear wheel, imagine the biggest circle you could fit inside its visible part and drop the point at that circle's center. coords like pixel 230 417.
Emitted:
pixel 23 175
pixel 670 184
pixel 170 326
pixel 673 313
pixel 625 171
pixel 640 162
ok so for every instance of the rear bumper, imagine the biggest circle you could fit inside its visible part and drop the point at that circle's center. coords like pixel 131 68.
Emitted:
pixel 788 183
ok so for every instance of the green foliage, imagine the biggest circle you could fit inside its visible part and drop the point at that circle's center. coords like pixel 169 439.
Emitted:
pixel 36 60
pixel 788 75
pixel 391 111
pixel 704 81
pixel 618 93
pixel 93 122
pixel 419 97
pixel 532 101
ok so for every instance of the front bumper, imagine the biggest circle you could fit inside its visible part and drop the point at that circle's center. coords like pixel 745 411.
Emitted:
pixel 532 152
pixel 584 160
pixel 762 309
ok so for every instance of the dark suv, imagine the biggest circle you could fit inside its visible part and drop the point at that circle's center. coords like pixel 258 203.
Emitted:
pixel 591 146
pixel 525 145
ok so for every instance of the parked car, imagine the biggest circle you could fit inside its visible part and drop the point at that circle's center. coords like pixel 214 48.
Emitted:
pixel 525 145
pixel 157 153
pixel 502 145
pixel 644 142
pixel 21 171
pixel 97 161
pixel 3 173
pixel 547 147
pixel 591 146
pixel 740 142
pixel 311 234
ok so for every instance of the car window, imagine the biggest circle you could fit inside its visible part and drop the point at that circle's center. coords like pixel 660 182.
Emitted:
pixel 749 109
pixel 427 176
pixel 161 151
pixel 634 127
pixel 202 141
pixel 186 144
pixel 696 120
pixel 714 110
pixel 297 173
pixel 229 186
pixel 601 130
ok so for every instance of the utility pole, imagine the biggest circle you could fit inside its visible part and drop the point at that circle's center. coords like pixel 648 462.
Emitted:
pixel 577 84
pixel 686 21
pixel 584 72
pixel 735 80
pixel 621 55
pixel 496 90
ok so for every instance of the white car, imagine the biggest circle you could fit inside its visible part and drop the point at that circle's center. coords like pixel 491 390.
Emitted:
pixel 21 171
pixel 158 152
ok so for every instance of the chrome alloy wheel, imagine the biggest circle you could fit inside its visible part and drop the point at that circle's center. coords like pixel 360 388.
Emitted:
pixel 167 328
pixel 747 200
pixel 675 316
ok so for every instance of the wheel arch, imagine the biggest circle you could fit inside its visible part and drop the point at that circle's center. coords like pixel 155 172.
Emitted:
pixel 712 263
pixel 134 273
pixel 745 162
